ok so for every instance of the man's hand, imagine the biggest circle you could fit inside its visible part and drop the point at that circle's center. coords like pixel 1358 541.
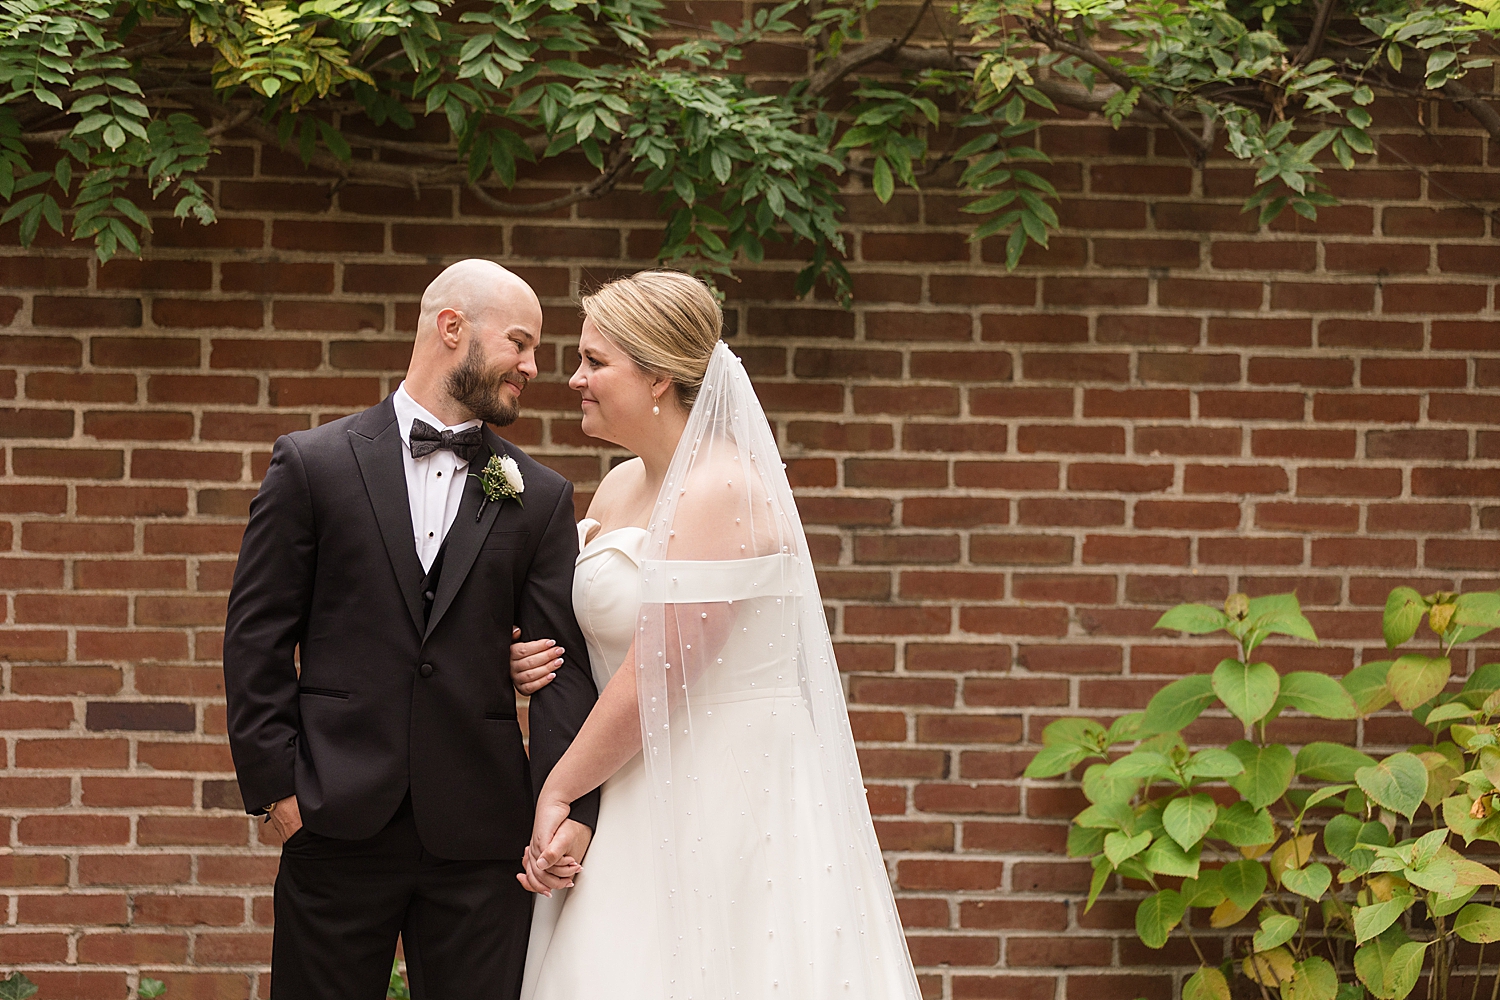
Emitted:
pixel 533 664
pixel 286 818
pixel 554 864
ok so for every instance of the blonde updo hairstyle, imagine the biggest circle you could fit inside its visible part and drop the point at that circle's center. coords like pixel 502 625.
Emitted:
pixel 668 323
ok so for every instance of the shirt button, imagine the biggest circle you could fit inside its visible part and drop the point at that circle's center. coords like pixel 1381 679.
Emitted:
pixel 426 669
pixel 440 475
pixel 429 534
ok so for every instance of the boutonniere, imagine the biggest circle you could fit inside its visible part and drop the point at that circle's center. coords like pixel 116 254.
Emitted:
pixel 501 480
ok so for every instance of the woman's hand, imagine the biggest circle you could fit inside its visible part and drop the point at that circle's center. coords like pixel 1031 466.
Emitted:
pixel 551 861
pixel 533 664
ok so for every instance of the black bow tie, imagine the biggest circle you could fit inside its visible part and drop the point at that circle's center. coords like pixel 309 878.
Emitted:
pixel 467 444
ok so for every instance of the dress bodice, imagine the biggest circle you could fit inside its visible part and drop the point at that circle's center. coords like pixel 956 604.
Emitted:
pixel 607 594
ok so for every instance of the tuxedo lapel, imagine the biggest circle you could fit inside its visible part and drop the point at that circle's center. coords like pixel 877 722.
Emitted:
pixel 376 440
pixel 467 534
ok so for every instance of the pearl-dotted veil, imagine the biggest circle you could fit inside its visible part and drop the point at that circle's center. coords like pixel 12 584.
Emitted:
pixel 771 883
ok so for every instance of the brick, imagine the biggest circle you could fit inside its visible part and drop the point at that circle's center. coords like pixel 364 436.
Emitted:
pixel 76 536
pixel 1417 444
pixel 1306 296
pixel 962 366
pixel 144 352
pixel 81 388
pixel 1071 439
pixel 885 548
pixel 1070 513
pixel 1180 515
pixel 813 362
pixel 329 237
pixel 298 314
pixel 1237 404
pixel 1065 589
pixel 1095 291
pixel 1307 517
pixel 1158 403
pixel 1189 368
pixel 133 425
pixel 1377 258
pixel 957 512
pixel 55 351
pixel 19 423
pixel 69 463
pixel 1303 443
pixel 85 311
pixel 207 314
pixel 259 355
pixel 1416 372
pixel 918 326
pixel 1260 332
pixel 1187 440
pixel 1120 477
pixel 1050 328
pixel 1033 550
pixel 936 400
pixel 1326 372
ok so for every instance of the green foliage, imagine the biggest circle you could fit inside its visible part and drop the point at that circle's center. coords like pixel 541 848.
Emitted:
pixel 150 988
pixel 397 989
pixel 1359 911
pixel 16 987
pixel 95 92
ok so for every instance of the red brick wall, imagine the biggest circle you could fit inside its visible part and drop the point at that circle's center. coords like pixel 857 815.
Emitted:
pixel 1006 478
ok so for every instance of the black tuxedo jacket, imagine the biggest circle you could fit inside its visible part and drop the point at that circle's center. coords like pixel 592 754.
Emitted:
pixel 329 574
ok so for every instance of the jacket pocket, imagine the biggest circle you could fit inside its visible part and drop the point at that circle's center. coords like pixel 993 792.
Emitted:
pixel 324 692
pixel 506 540
pixel 499 717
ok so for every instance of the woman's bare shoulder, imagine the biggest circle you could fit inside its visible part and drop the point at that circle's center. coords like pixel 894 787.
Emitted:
pixel 616 490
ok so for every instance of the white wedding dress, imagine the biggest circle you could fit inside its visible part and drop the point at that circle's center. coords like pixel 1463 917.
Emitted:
pixel 602 939
pixel 735 857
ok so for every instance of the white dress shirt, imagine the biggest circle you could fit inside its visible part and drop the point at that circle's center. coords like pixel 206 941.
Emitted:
pixel 434 483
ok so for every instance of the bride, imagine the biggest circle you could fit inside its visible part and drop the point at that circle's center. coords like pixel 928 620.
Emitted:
pixel 734 854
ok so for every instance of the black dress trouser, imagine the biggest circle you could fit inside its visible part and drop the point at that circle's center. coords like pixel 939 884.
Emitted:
pixel 341 904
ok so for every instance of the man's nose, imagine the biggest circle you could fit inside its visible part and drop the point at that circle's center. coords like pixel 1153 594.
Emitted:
pixel 527 366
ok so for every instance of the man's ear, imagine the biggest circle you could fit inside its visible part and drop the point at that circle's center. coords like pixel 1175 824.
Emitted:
pixel 449 324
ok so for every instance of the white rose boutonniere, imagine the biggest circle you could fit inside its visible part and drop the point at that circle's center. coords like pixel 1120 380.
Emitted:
pixel 501 480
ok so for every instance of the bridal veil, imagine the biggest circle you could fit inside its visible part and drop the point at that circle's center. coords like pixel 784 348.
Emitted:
pixel 771 882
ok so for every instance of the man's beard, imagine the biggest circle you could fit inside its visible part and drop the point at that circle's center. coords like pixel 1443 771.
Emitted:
pixel 480 390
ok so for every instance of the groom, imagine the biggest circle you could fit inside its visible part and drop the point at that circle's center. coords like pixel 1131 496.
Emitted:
pixel 391 762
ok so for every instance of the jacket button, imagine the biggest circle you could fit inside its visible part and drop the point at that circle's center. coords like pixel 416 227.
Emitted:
pixel 426 669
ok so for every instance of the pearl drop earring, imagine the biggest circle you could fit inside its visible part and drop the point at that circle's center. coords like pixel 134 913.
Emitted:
pixel 656 411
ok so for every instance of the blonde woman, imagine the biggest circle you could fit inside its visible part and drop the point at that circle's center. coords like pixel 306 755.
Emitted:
pixel 734 855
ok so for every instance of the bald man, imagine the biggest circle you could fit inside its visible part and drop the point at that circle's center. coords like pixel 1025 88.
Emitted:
pixel 391 764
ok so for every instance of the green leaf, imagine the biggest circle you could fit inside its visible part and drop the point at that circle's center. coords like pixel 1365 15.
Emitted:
pixel 1102 871
pixel 1312 979
pixel 1404 968
pixel 1311 881
pixel 1157 915
pixel 1366 685
pixel 1404 609
pixel 1397 783
pixel 1478 924
pixel 1164 857
pixel 1204 891
pixel 1276 929
pixel 1372 920
pixel 1120 846
pixel 882 181
pixel 151 988
pixel 1188 818
pixel 1340 835
pixel 1194 619
pixel 1247 690
pixel 1085 733
pixel 17 987
pixel 1330 762
pixel 1212 763
pixel 1140 764
pixel 1206 984
pixel 1415 680
pixel 1268 772
pixel 1243 882
pixel 1053 761
pixel 1084 842
pixel 1176 706
pixel 1243 825
pixel 1318 694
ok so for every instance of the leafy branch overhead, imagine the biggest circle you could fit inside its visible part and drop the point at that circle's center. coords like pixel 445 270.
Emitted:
pixel 1389 890
pixel 96 95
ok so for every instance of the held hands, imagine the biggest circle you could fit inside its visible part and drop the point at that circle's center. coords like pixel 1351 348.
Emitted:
pixel 533 664
pixel 551 859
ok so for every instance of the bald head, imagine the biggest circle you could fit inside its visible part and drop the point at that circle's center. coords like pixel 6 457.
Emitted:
pixel 476 343
pixel 479 290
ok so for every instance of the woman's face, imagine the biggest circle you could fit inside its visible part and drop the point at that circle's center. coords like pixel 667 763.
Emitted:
pixel 617 395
